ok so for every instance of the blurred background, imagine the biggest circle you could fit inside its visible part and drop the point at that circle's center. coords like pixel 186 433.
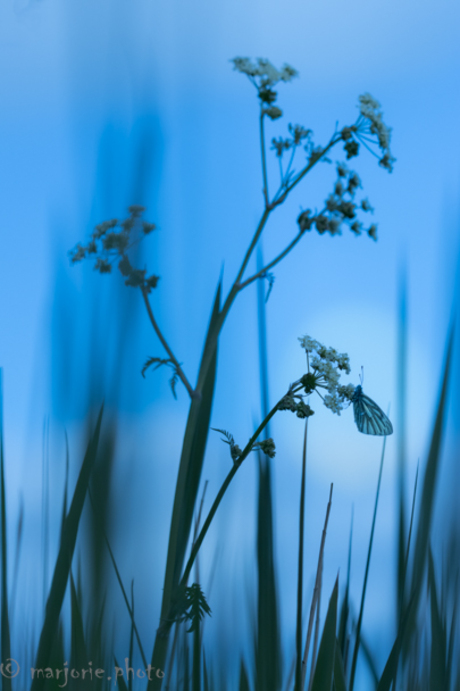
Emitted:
pixel 107 104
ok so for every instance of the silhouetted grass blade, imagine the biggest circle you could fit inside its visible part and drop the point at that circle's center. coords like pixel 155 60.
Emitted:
pixel 244 681
pixel 268 652
pixel 78 655
pixel 120 679
pixel 366 573
pixel 428 489
pixel 188 479
pixel 438 671
pixel 340 683
pixel 5 624
pixel 391 666
pixel 64 559
pixel 324 671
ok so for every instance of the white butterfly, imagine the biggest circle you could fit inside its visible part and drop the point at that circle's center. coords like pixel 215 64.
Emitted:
pixel 369 418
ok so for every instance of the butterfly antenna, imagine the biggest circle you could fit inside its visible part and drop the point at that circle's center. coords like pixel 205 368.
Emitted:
pixel 361 376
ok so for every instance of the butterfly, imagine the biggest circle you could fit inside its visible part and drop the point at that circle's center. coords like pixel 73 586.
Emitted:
pixel 369 418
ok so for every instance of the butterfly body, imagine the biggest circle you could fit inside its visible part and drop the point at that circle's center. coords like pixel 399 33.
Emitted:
pixel 369 418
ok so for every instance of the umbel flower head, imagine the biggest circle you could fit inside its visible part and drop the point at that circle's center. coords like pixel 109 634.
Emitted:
pixel 325 366
pixel 264 76
pixel 110 243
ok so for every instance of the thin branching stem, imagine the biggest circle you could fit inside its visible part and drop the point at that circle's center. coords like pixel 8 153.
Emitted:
pixel 288 169
pixel 172 357
pixel 197 543
pixel 246 451
pixel 274 262
pixel 277 200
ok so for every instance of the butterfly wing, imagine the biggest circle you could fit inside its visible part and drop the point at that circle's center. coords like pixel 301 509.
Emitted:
pixel 369 418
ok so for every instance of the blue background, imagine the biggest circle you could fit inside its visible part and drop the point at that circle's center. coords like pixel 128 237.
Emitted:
pixel 106 104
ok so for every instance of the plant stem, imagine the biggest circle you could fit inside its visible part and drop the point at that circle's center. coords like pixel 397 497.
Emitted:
pixel 246 451
pixel 272 263
pixel 172 357
pixel 262 152
pixel 197 544
pixel 277 201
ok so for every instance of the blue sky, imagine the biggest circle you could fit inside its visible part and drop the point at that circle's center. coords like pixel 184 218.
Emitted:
pixel 111 103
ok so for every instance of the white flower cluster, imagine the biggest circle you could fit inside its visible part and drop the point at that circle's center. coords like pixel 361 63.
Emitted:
pixel 325 366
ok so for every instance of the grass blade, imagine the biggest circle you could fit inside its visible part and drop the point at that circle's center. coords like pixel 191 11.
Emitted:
pixel 64 559
pixel 391 666
pixel 191 463
pixel 268 653
pixel 120 680
pixel 324 670
pixel 366 574
pixel 428 492
pixel 78 655
pixel 345 608
pixel 340 683
pixel 244 681
pixel 315 600
pixel 438 672
pixel 5 623
pixel 401 441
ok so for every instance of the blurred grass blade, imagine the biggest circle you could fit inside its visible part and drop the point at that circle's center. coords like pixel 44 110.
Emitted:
pixel 66 485
pixel 78 655
pixel 315 602
pixel 345 608
pixel 438 672
pixel 401 443
pixel 428 491
pixel 64 559
pixel 369 658
pixel 196 661
pixel 268 655
pixel 191 463
pixel 5 624
pixel 366 573
pixel 206 686
pixel 340 683
pixel 268 662
pixel 120 680
pixel 391 666
pixel 244 681
pixel 131 635
pixel 324 670
pixel 120 582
